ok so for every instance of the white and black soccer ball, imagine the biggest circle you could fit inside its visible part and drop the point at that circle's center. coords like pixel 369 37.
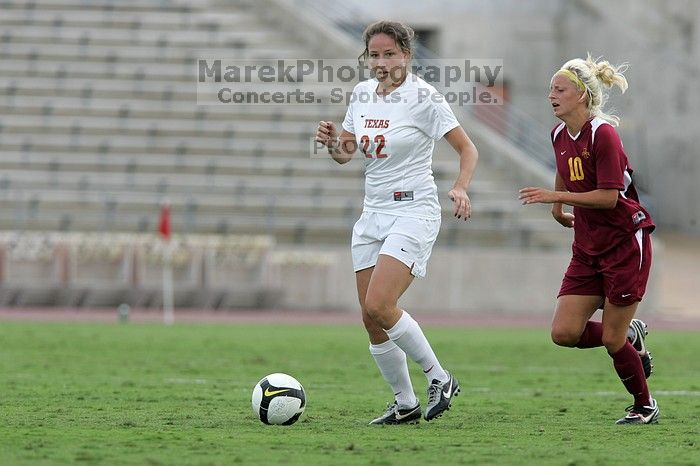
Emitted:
pixel 279 399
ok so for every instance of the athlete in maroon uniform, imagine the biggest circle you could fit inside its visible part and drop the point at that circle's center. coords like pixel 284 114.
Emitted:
pixel 611 249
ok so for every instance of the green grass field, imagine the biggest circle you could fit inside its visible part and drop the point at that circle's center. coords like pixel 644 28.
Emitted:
pixel 148 394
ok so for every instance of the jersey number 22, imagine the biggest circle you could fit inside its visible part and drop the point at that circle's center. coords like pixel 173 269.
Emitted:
pixel 368 147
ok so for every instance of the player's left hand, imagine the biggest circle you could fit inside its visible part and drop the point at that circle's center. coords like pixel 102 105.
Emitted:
pixel 531 195
pixel 462 204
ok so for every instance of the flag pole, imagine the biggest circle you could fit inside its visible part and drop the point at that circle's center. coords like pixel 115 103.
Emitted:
pixel 168 290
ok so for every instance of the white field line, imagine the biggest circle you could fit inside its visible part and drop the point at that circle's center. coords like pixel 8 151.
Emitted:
pixel 184 381
pixel 601 393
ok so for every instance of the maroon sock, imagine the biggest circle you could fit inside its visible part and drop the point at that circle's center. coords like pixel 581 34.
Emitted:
pixel 629 368
pixel 592 336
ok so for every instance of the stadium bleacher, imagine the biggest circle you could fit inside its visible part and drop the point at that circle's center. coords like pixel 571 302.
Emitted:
pixel 99 126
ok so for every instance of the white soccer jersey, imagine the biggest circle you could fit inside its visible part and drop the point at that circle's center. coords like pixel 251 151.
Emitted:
pixel 396 134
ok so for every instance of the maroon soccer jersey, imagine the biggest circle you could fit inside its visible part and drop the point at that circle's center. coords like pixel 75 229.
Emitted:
pixel 594 159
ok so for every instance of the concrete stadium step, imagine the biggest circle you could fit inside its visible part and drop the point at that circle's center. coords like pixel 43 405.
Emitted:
pixel 68 69
pixel 134 126
pixel 115 203
pixel 68 106
pixel 248 34
pixel 271 203
pixel 110 5
pixel 185 184
pixel 302 191
pixel 154 90
pixel 114 54
pixel 108 18
pixel 48 163
pixel 140 89
pixel 206 165
pixel 180 148
pixel 111 68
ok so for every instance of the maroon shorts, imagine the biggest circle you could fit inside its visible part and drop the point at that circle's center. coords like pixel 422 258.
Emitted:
pixel 620 274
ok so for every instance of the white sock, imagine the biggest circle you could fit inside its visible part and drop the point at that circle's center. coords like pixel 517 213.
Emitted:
pixel 392 364
pixel 408 336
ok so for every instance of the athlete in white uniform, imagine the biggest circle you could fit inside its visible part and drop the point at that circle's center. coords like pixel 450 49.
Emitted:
pixel 397 135
pixel 394 120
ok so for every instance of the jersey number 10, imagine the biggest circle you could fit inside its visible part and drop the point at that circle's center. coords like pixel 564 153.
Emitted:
pixel 575 168
pixel 367 150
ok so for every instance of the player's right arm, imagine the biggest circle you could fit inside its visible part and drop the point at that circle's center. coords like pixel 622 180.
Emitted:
pixel 340 148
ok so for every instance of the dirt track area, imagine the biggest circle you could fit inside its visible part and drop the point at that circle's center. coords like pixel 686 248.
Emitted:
pixel 287 317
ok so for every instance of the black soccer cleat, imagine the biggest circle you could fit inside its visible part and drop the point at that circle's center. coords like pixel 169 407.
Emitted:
pixel 637 336
pixel 395 415
pixel 440 397
pixel 641 414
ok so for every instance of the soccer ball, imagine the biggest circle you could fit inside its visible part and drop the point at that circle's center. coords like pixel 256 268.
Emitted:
pixel 279 399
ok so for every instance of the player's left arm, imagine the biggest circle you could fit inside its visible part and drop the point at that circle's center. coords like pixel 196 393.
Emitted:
pixel 609 160
pixel 468 156
pixel 564 218
pixel 596 199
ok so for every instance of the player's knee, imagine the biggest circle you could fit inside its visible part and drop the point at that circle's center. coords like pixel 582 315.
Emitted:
pixel 374 330
pixel 564 337
pixel 376 308
pixel 613 343
pixel 369 323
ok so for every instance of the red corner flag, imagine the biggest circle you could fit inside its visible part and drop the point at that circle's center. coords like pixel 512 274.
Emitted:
pixel 164 225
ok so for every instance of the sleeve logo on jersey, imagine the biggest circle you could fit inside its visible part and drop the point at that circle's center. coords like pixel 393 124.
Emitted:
pixel 372 123
pixel 638 217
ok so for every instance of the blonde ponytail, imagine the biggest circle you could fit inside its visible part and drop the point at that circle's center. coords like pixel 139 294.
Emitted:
pixel 607 74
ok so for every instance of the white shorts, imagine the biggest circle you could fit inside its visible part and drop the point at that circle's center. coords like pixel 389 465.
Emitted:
pixel 407 239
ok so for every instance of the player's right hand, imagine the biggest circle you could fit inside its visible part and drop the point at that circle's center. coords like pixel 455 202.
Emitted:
pixel 326 133
pixel 565 219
